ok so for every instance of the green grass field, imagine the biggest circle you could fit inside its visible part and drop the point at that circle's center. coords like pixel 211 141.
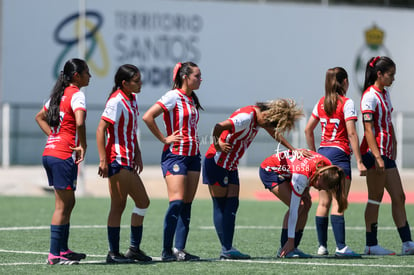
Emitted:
pixel 24 240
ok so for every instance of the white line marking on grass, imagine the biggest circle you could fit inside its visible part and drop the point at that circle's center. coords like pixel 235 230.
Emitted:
pixel 288 262
pixel 13 228
pixel 206 227
pixel 358 228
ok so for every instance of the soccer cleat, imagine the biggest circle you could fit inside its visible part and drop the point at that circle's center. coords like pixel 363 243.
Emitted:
pixel 182 255
pixel 407 248
pixel 322 250
pixel 168 256
pixel 233 254
pixel 117 258
pixel 69 254
pixel 346 252
pixel 59 260
pixel 377 250
pixel 137 254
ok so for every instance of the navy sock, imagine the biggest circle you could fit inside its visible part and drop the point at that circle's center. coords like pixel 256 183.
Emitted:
pixel 113 238
pixel 283 237
pixel 65 238
pixel 56 233
pixel 321 224
pixel 218 213
pixel 338 227
pixel 183 226
pixel 229 221
pixel 170 222
pixel 371 237
pixel 298 237
pixel 136 236
pixel 405 233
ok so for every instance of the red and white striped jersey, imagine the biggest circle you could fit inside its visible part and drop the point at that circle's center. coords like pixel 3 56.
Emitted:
pixel 122 114
pixel 297 170
pixel 63 137
pixel 288 163
pixel 379 104
pixel 334 133
pixel 244 130
pixel 180 113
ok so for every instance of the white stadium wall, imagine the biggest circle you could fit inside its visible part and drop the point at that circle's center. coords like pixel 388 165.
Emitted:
pixel 246 52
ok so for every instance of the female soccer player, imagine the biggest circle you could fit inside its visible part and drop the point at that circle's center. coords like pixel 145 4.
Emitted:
pixel 337 116
pixel 120 160
pixel 180 159
pixel 231 138
pixel 289 175
pixel 379 150
pixel 62 119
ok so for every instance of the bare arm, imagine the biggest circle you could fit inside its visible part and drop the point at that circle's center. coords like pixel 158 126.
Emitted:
pixel 100 142
pixel 149 119
pixel 218 129
pixel 372 143
pixel 41 121
pixel 278 137
pixel 309 134
pixel 353 139
pixel 81 132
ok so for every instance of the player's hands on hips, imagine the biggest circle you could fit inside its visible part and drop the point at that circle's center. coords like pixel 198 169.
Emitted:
pixel 223 146
pixel 175 137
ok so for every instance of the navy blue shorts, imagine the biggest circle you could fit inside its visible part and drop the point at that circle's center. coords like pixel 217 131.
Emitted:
pixel 115 167
pixel 338 158
pixel 270 179
pixel 172 164
pixel 62 174
pixel 369 161
pixel 216 175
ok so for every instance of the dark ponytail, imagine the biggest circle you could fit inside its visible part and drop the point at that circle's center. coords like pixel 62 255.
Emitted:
pixel 125 72
pixel 375 64
pixel 181 70
pixel 71 67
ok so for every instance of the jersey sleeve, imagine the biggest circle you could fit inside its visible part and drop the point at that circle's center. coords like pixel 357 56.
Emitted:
pixel 368 103
pixel 241 121
pixel 349 110
pixel 78 102
pixel 168 101
pixel 110 112
pixel 299 183
pixel 315 112
pixel 47 104
pixel 293 214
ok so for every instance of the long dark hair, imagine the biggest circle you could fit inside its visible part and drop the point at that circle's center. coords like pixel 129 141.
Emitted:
pixel 375 64
pixel 65 77
pixel 181 70
pixel 125 72
pixel 334 86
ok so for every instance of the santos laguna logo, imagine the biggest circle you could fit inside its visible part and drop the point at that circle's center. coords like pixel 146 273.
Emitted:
pixel 67 34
